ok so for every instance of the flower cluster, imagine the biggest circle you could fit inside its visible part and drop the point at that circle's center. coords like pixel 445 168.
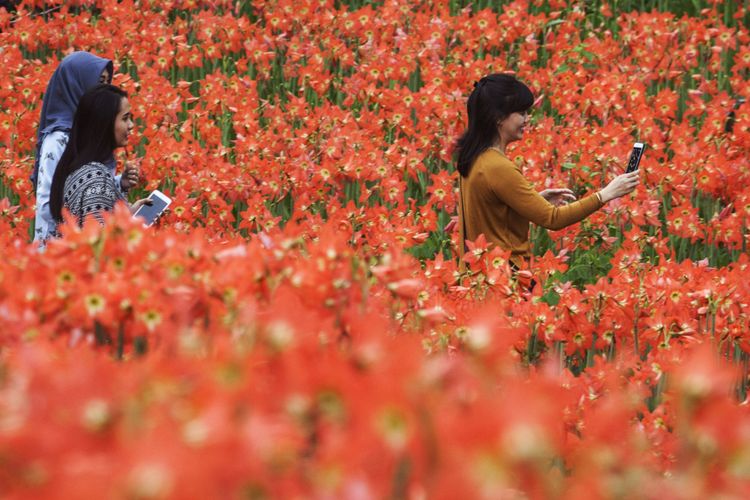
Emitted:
pixel 298 325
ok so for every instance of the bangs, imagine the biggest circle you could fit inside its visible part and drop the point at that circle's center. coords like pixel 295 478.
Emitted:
pixel 522 99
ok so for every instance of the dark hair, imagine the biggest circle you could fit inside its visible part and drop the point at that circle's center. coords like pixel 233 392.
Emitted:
pixel 92 138
pixel 494 98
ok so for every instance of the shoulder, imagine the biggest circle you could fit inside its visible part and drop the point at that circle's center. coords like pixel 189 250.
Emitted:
pixel 56 139
pixel 95 166
pixel 94 169
pixel 492 161
pixel 89 172
pixel 54 143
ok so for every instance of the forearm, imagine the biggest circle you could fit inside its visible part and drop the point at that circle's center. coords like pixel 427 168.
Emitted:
pixel 561 217
pixel 120 188
pixel 522 198
pixel 43 189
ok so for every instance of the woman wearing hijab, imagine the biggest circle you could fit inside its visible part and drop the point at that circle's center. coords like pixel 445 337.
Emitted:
pixel 76 74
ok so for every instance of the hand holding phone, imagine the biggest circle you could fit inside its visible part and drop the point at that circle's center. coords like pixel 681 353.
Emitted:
pixel 149 213
pixel 627 182
pixel 635 157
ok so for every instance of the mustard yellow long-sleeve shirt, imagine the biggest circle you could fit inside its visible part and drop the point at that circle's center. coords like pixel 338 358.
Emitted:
pixel 499 202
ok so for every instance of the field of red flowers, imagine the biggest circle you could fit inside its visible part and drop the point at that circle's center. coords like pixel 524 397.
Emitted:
pixel 297 327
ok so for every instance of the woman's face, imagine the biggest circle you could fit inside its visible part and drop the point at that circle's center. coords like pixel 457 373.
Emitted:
pixel 512 127
pixel 123 123
pixel 104 77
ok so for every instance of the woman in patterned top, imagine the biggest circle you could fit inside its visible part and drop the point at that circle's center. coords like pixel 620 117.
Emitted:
pixel 77 73
pixel 83 183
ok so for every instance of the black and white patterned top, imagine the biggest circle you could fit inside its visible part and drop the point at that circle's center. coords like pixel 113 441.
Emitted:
pixel 90 191
pixel 52 150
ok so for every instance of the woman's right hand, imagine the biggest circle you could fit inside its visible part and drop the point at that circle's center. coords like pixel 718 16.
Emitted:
pixel 620 186
pixel 131 176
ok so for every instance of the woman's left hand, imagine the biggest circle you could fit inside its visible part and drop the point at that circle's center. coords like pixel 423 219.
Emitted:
pixel 138 204
pixel 558 196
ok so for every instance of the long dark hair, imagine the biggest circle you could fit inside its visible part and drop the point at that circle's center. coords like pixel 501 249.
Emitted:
pixel 494 98
pixel 92 138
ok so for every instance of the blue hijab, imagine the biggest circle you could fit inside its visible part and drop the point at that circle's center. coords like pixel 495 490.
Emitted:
pixel 77 73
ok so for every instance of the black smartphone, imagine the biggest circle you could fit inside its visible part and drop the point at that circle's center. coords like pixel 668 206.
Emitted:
pixel 635 157
pixel 729 125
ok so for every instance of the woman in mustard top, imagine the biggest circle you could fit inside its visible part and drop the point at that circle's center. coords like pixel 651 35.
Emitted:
pixel 495 198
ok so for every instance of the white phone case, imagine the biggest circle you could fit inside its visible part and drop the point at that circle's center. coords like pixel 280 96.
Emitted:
pixel 150 212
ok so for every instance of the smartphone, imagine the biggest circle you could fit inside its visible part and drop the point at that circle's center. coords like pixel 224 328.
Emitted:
pixel 729 125
pixel 149 213
pixel 635 157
